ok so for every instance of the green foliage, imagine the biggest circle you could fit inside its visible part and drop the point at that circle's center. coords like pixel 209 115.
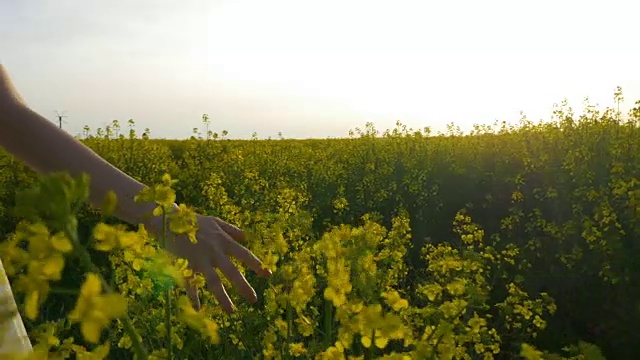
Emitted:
pixel 540 261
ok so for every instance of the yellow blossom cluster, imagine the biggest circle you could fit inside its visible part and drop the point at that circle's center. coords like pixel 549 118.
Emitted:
pixel 349 293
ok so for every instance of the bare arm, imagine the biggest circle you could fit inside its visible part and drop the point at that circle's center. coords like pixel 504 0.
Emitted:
pixel 46 148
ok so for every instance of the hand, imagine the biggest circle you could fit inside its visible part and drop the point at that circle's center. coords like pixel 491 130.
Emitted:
pixel 217 240
pixel 54 150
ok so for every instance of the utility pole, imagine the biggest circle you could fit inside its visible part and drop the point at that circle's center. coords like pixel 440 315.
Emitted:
pixel 60 116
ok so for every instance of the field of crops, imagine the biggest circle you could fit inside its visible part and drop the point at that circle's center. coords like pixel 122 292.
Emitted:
pixel 512 242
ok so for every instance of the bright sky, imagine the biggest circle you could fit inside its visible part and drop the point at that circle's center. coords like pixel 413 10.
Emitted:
pixel 315 68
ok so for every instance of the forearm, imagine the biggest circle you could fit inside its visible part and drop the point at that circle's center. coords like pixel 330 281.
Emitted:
pixel 46 148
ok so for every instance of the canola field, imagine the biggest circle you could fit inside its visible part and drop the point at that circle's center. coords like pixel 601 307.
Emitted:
pixel 512 242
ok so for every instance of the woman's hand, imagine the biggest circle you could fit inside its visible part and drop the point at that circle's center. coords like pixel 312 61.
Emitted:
pixel 216 241
pixel 45 148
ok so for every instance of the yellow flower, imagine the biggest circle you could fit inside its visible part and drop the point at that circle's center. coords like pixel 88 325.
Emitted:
pixel 432 291
pixel 457 287
pixel 93 310
pixel 61 243
pixel 333 353
pixel 98 353
pixel 109 237
pixel 395 301
pixel 530 353
pixel 184 221
pixel 197 320
pixel 297 349
pixel 52 267
pixel 164 195
pixel 125 342
pixel 476 323
pixel 32 304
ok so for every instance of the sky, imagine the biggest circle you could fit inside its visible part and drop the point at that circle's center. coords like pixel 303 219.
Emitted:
pixel 315 68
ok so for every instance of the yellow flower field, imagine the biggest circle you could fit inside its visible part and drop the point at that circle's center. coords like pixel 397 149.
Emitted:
pixel 512 242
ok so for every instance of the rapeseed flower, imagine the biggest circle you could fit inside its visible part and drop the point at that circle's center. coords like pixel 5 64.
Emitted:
pixel 95 310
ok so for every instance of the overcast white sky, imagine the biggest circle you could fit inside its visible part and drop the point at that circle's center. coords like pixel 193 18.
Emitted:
pixel 315 68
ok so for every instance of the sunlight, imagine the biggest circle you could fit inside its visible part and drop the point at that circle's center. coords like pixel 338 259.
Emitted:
pixel 397 65
pixel 320 69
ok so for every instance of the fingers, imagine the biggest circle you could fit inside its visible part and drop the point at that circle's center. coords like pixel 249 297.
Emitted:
pixel 214 284
pixel 235 277
pixel 238 251
pixel 225 241
pixel 233 231
pixel 248 258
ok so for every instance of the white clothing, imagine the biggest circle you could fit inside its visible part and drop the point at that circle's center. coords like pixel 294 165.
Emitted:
pixel 13 336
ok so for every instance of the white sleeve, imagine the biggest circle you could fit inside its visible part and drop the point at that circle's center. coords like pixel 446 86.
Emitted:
pixel 14 340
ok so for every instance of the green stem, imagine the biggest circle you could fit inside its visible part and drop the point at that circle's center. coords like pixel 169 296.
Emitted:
pixel 167 295
pixel 328 317
pixel 372 349
pixel 85 259
pixel 289 327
